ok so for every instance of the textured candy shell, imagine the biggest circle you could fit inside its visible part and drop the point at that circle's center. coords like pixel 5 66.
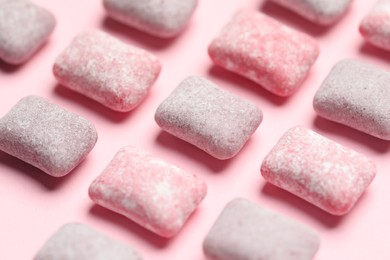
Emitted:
pixel 246 231
pixel 321 12
pixel 24 27
pixel 78 241
pixel 156 195
pixel 163 19
pixel 265 51
pixel 375 26
pixel 318 170
pixel 208 117
pixel 46 136
pixel 107 70
pixel 356 94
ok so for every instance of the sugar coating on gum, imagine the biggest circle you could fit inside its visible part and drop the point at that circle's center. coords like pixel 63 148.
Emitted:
pixel 46 136
pixel 244 230
pixel 318 170
pixel 107 70
pixel 321 12
pixel 208 117
pixel 24 27
pixel 78 241
pixel 163 19
pixel 356 94
pixel 153 193
pixel 265 51
pixel 375 25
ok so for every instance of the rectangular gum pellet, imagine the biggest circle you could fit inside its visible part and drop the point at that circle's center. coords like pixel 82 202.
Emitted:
pixel 103 68
pixel 323 12
pixel 208 117
pixel 318 170
pixel 24 28
pixel 153 193
pixel 356 94
pixel 46 135
pixel 245 230
pixel 75 241
pixel 265 51
pixel 374 26
pixel 163 19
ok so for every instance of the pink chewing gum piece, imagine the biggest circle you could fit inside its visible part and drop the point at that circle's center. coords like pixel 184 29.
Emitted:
pixel 318 170
pixel 208 117
pixel 78 241
pixel 244 230
pixel 107 70
pixel 46 135
pixel 375 26
pixel 156 195
pixel 356 94
pixel 163 19
pixel 265 51
pixel 24 28
pixel 321 12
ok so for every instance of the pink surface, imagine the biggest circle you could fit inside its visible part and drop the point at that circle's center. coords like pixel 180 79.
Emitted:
pixel 34 205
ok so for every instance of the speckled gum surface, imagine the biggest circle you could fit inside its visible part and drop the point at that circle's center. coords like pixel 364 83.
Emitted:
pixel 265 51
pixel 107 70
pixel 356 94
pixel 321 12
pixel 208 117
pixel 244 230
pixel 375 25
pixel 24 27
pixel 156 195
pixel 46 136
pixel 78 241
pixel 318 170
pixel 159 18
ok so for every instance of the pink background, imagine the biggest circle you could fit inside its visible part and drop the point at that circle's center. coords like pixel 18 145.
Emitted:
pixel 34 205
